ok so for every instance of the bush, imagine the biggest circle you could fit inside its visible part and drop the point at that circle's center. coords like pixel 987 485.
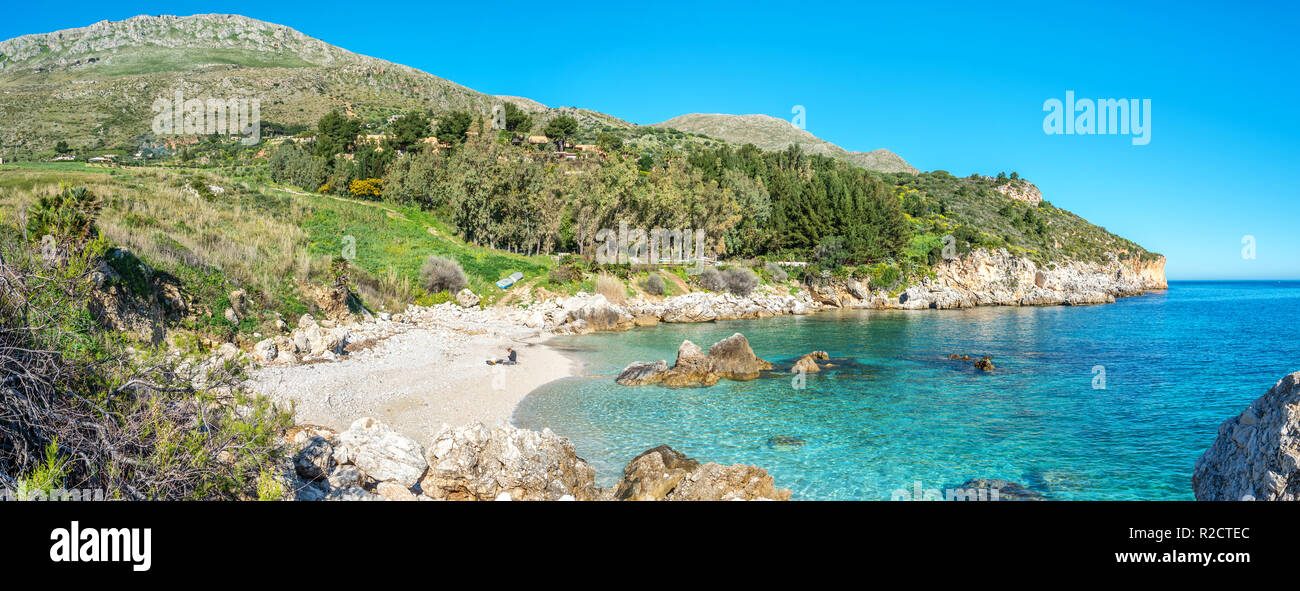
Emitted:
pixel 711 279
pixel 610 287
pixel 654 284
pixel 565 274
pixel 441 273
pixel 740 281
pixel 775 271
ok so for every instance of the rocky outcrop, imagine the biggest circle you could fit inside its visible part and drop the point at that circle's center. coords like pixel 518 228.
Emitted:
pixel 129 296
pixel 1021 190
pixel 1256 455
pixel 370 461
pixel 998 278
pixel 380 453
pixel 664 474
pixel 730 358
pixel 478 463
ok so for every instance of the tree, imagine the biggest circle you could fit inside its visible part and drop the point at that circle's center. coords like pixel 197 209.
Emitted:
pixel 609 142
pixel 336 133
pixel 560 129
pixel 410 130
pixel 453 125
pixel 517 119
pixel 62 147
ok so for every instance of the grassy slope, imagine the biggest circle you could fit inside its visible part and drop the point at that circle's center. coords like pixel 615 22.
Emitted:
pixel 266 240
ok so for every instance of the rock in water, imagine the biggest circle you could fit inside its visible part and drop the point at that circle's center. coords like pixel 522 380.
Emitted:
pixel 664 474
pixel 1257 453
pixel 808 363
pixel 640 373
pixel 1007 491
pixel 985 364
pixel 733 358
pixel 483 463
pixel 785 443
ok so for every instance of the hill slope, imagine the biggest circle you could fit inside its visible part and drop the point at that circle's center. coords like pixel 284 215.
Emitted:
pixel 770 133
pixel 93 86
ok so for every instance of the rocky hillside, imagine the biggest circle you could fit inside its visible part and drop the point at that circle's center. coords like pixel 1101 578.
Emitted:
pixel 93 86
pixel 771 134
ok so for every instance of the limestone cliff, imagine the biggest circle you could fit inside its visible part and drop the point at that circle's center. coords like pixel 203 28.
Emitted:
pixel 998 278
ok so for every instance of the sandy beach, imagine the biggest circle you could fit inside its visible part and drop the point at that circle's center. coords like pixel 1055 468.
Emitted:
pixel 417 380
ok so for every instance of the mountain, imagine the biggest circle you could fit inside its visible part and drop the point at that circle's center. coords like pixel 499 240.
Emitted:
pixel 770 133
pixel 94 86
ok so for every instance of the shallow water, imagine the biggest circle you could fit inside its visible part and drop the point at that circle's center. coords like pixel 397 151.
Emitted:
pixel 895 411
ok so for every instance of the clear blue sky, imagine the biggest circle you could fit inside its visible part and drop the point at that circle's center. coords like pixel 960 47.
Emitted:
pixel 956 86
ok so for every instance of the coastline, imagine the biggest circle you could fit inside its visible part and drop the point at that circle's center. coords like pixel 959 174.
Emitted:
pixel 426 367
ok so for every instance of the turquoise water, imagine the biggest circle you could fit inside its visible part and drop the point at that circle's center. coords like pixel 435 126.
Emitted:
pixel 896 411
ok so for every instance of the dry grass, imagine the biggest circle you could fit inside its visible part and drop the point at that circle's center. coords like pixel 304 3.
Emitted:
pixel 611 287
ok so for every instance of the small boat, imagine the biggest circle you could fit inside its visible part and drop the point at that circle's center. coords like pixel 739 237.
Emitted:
pixel 508 281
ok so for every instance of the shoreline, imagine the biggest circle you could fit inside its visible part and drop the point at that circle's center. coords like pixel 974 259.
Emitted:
pixel 417 380
pixel 426 367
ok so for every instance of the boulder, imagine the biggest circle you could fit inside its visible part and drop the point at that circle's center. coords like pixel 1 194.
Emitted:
pixel 231 316
pixel 985 364
pixel 653 474
pixel 315 460
pixel 266 350
pixel 733 358
pixel 467 298
pixel 380 453
pixel 640 373
pixel 391 491
pixel 483 463
pixel 806 364
pixel 664 474
pixel 692 368
pixel 1256 455
pixel 730 358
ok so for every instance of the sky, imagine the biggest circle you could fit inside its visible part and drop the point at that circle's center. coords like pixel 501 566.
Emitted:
pixel 948 86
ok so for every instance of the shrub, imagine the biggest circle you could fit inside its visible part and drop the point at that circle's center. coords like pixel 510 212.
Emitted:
pixel 366 187
pixel 711 279
pixel 68 214
pixel 565 274
pixel 441 273
pixel 775 271
pixel 610 287
pixel 740 281
pixel 654 284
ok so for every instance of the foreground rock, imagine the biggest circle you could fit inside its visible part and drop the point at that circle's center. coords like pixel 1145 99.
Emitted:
pixel 1257 453
pixel 370 461
pixel 665 474
pixel 730 358
pixel 478 463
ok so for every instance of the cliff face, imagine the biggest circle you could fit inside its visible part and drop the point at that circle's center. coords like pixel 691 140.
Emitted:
pixel 1257 453
pixel 998 278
